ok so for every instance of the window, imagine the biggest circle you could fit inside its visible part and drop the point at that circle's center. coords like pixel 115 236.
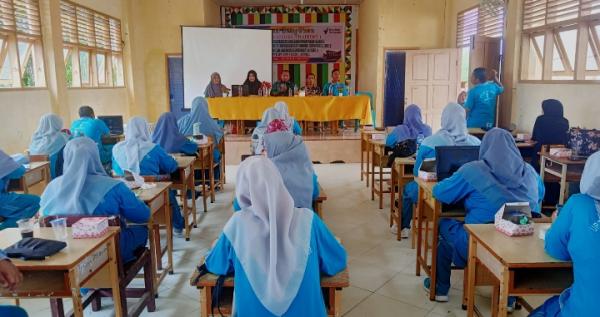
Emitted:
pixel 560 40
pixel 21 53
pixel 93 47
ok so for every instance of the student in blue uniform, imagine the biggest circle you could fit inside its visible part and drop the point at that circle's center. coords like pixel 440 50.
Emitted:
pixel 167 135
pixel 499 176
pixel 95 129
pixel 290 122
pixel 412 128
pixel 10 278
pixel 574 236
pixel 279 111
pixel 453 132
pixel 137 154
pixel 481 99
pixel 336 87
pixel 276 252
pixel 49 140
pixel 14 206
pixel 86 189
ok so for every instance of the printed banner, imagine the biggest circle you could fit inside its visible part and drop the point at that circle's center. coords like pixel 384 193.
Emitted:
pixel 316 44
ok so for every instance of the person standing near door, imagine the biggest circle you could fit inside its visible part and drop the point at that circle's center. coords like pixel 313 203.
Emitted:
pixel 480 103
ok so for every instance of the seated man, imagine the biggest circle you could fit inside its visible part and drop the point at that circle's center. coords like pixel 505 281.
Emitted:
pixel 335 87
pixel 10 278
pixel 284 86
pixel 14 206
pixel 311 88
pixel 88 125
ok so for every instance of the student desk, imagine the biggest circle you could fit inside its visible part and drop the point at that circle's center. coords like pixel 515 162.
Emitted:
pixel 331 285
pixel 205 162
pixel 519 265
pixel 365 150
pixel 84 263
pixel 157 199
pixel 318 203
pixel 402 174
pixel 36 173
pixel 379 159
pixel 429 210
pixel 184 182
pixel 477 132
pixel 562 168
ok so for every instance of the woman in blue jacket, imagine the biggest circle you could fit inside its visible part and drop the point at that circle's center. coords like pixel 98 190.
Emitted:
pixel 14 206
pixel 49 140
pixel 167 135
pixel 276 252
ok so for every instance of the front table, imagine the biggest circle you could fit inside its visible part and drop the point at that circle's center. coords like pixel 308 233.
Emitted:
pixel 84 263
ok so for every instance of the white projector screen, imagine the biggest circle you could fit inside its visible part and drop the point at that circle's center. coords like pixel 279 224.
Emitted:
pixel 230 52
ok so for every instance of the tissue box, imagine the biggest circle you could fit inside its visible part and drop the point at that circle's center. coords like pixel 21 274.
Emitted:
pixel 509 228
pixel 87 228
pixel 560 152
pixel 378 136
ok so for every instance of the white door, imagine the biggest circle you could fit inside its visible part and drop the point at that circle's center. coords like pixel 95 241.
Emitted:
pixel 432 80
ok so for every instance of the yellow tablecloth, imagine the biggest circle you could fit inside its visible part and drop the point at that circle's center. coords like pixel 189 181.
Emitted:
pixel 316 108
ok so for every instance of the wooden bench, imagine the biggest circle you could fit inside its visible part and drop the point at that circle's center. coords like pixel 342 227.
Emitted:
pixel 318 203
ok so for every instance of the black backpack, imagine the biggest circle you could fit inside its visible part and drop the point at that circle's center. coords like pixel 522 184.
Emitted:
pixel 405 148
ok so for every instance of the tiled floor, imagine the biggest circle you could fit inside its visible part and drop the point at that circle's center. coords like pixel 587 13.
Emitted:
pixel 382 276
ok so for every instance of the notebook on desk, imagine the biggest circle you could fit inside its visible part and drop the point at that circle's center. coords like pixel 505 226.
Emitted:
pixel 448 160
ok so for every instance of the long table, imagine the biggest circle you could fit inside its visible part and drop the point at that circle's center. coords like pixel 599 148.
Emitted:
pixel 313 108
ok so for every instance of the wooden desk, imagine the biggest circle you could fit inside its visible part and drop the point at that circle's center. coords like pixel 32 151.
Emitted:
pixel 332 288
pixel 379 159
pixel 318 203
pixel 477 132
pixel 36 173
pixel 205 162
pixel 429 210
pixel 365 148
pixel 563 169
pixel 85 263
pixel 157 199
pixel 519 264
pixel 184 182
pixel 402 174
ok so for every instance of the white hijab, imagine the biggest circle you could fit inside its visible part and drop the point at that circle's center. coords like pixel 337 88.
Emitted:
pixel 130 153
pixel 270 237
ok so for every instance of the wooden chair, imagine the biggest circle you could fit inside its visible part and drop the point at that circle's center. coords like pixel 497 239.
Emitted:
pixel 318 203
pixel 127 272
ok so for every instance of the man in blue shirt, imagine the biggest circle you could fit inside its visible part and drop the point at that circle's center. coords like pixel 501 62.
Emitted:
pixel 335 87
pixel 10 277
pixel 95 129
pixel 481 99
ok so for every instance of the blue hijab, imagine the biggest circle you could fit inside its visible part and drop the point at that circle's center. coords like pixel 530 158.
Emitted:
pixel 200 114
pixel 501 174
pixel 289 154
pixel 167 135
pixel 130 153
pixel 48 139
pixel 411 126
pixel 7 165
pixel 590 179
pixel 454 129
pixel 82 186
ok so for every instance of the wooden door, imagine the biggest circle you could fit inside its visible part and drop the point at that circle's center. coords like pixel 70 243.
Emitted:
pixel 432 80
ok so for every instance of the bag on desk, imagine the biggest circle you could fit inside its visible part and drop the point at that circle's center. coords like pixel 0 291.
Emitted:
pixel 34 248
pixel 405 148
pixel 586 141
pixel 514 219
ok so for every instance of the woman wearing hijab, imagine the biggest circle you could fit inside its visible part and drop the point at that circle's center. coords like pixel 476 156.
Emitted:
pixel 137 154
pixel 253 83
pixel 167 135
pixel 49 140
pixel 411 128
pixel 14 206
pixel 549 128
pixel 261 128
pixel 499 176
pixel 215 88
pixel 208 126
pixel 453 133
pixel 86 189
pixel 574 236
pixel 276 252
pixel 289 120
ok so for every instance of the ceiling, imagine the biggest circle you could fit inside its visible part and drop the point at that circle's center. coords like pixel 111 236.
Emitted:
pixel 283 2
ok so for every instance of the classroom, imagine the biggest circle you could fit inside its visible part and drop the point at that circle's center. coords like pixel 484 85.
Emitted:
pixel 359 158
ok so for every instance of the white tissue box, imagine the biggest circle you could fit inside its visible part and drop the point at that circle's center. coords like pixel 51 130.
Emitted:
pixel 508 227
pixel 87 228
pixel 378 136
pixel 560 152
pixel 427 172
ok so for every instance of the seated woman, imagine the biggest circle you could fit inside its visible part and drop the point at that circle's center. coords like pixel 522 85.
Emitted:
pixel 550 128
pixel 14 206
pixel 269 115
pixel 86 189
pixel 412 127
pixel 208 126
pixel 453 132
pixel 290 122
pixel 215 88
pixel 49 140
pixel 499 176
pixel 266 246
pixel 167 135
pixel 137 154
pixel 573 237
pixel 253 83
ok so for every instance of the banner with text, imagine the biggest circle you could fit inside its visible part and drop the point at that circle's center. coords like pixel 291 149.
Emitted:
pixel 315 44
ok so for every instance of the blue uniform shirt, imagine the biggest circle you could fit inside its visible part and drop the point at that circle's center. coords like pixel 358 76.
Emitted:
pixel 333 89
pixel 481 104
pixel 156 162
pixel 93 129
pixel 327 256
